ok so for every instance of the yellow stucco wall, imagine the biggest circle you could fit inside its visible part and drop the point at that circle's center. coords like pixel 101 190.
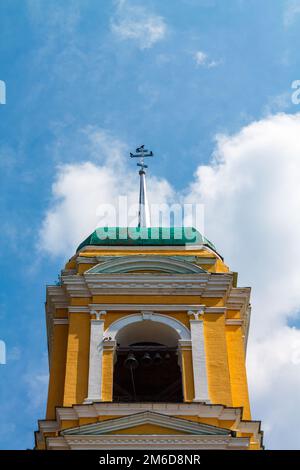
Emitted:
pixel 237 369
pixel 107 375
pixel 57 371
pixel 147 429
pixel 76 380
pixel 217 362
pixel 187 375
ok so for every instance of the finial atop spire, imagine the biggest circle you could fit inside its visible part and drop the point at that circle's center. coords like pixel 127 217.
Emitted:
pixel 144 213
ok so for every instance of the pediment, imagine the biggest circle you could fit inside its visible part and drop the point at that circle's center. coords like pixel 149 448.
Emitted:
pixel 144 263
pixel 147 422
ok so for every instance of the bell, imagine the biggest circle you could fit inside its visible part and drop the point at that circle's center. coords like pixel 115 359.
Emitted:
pixel 131 362
pixel 146 360
pixel 167 356
pixel 157 359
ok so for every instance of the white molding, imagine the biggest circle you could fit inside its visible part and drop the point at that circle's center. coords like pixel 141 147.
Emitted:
pixel 185 345
pixel 153 308
pixel 60 321
pixel 208 284
pixel 234 321
pixel 152 442
pixel 95 358
pixel 150 307
pixel 141 248
pixel 161 264
pixel 146 417
pixel 200 410
pixel 181 330
pixel 199 359
pixel 200 259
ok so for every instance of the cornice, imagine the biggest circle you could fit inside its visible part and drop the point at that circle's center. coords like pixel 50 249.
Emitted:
pixel 145 307
pixel 163 441
pixel 145 248
pixel 205 284
pixel 201 410
pixel 147 417
pixel 56 295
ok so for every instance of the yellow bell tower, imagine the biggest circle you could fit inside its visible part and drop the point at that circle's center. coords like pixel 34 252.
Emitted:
pixel 147 337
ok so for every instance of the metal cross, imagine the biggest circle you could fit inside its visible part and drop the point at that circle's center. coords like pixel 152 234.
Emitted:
pixel 141 153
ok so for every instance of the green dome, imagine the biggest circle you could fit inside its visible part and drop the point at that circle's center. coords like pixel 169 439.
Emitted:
pixel 146 236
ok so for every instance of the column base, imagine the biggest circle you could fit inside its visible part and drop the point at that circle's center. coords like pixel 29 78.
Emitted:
pixel 88 401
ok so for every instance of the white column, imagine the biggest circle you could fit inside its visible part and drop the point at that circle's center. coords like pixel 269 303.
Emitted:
pixel 95 363
pixel 199 358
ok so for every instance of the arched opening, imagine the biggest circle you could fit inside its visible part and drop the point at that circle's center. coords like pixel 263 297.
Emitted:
pixel 146 367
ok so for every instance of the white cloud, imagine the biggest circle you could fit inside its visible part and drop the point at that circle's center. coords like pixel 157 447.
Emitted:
pixel 138 24
pixel 251 194
pixel 202 60
pixel 251 189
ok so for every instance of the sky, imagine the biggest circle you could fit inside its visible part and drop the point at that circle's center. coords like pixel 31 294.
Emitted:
pixel 208 86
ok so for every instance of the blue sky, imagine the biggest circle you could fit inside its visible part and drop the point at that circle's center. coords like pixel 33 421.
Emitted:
pixel 172 74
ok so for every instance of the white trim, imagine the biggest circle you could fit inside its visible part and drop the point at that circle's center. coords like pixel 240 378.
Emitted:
pixel 185 345
pixel 95 361
pixel 181 330
pixel 151 307
pixel 60 321
pixel 234 321
pixel 200 410
pixel 141 248
pixel 146 417
pixel 199 361
pixel 162 264
pixel 152 442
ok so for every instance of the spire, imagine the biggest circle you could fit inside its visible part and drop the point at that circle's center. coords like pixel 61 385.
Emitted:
pixel 144 212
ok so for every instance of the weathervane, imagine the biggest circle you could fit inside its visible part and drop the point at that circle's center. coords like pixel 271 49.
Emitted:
pixel 144 213
pixel 141 153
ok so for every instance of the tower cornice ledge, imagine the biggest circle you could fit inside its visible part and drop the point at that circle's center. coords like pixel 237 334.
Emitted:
pixel 176 410
pixel 205 284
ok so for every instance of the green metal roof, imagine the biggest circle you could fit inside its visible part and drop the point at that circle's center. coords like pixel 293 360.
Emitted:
pixel 144 236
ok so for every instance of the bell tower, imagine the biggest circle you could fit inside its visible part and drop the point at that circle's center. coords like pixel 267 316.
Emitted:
pixel 147 338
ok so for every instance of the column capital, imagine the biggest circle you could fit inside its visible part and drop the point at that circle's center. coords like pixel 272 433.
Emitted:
pixel 98 314
pixel 198 314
